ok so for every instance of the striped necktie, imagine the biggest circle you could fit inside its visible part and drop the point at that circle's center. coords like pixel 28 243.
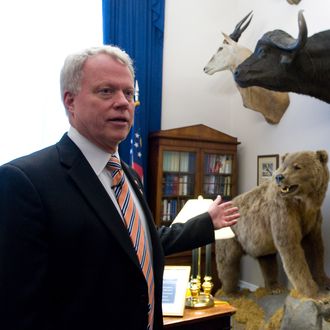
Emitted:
pixel 134 226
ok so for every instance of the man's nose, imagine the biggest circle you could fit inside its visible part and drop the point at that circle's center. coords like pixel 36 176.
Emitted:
pixel 121 97
pixel 121 94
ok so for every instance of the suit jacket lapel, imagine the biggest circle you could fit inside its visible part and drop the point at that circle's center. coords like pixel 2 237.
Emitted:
pixel 89 185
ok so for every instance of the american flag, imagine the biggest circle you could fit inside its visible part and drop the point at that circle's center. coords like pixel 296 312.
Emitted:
pixel 136 160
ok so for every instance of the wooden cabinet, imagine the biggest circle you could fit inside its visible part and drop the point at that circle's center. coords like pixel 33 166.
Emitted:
pixel 187 162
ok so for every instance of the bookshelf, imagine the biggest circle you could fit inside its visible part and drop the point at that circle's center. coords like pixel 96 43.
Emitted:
pixel 187 162
pixel 177 182
pixel 184 163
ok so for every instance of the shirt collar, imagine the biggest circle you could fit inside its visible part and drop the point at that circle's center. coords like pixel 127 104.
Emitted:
pixel 96 157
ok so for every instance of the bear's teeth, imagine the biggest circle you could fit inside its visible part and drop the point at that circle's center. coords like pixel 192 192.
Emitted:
pixel 285 189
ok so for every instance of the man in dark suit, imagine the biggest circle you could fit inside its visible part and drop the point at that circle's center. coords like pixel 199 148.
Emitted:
pixel 66 258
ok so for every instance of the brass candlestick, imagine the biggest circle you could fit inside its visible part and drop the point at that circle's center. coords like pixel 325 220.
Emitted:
pixel 198 298
pixel 200 293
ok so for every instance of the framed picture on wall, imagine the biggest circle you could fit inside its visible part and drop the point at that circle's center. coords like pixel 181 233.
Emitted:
pixel 267 165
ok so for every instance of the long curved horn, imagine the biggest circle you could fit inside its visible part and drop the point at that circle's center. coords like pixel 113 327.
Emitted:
pixel 239 29
pixel 293 44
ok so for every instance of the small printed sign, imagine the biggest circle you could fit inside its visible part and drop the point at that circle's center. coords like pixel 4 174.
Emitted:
pixel 175 282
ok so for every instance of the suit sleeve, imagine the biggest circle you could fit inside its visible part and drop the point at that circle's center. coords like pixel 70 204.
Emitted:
pixel 194 233
pixel 23 252
pixel 180 237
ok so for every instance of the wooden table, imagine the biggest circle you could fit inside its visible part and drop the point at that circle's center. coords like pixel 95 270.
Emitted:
pixel 212 318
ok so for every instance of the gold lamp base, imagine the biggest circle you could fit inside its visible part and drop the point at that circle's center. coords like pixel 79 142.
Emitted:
pixel 198 298
pixel 201 301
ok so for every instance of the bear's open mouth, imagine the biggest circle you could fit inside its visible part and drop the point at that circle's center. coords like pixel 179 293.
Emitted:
pixel 289 189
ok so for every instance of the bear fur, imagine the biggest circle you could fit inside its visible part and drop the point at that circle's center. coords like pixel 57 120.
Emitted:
pixel 281 216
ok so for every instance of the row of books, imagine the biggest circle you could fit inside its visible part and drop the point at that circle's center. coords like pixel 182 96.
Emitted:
pixel 170 208
pixel 217 185
pixel 178 161
pixel 174 184
pixel 218 164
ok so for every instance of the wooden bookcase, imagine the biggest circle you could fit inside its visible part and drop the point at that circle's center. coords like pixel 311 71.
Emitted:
pixel 187 162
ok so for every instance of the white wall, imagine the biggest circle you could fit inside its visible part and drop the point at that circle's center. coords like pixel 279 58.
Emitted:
pixel 35 38
pixel 192 35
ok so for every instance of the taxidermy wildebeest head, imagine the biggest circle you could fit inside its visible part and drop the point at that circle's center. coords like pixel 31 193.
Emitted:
pixel 282 63
pixel 230 54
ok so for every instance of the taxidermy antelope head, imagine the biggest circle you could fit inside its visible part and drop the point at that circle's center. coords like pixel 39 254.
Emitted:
pixel 272 105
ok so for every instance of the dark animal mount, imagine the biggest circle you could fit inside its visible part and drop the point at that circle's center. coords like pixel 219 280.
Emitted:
pixel 282 63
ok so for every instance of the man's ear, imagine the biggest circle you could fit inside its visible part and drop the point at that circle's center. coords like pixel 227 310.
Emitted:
pixel 68 100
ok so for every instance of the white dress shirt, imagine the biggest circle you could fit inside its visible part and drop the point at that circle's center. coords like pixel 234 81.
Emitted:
pixel 98 159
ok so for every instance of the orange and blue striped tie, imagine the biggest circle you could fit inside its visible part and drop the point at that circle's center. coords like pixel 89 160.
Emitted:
pixel 134 226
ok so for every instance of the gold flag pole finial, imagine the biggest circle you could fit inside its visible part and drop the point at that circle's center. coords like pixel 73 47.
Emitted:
pixel 136 94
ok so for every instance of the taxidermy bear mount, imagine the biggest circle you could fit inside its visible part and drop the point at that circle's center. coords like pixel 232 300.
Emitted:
pixel 281 216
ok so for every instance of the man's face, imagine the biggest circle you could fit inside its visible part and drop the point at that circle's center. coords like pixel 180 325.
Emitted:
pixel 103 109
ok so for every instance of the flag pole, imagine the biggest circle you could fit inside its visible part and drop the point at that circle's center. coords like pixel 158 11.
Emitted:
pixel 136 138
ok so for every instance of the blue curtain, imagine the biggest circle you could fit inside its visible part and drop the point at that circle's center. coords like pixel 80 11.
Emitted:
pixel 137 26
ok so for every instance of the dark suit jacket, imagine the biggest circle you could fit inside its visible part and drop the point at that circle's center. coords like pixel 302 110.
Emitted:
pixel 66 260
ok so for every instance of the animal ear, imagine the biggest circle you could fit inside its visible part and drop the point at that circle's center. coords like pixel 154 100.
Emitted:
pixel 283 157
pixel 228 40
pixel 322 155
